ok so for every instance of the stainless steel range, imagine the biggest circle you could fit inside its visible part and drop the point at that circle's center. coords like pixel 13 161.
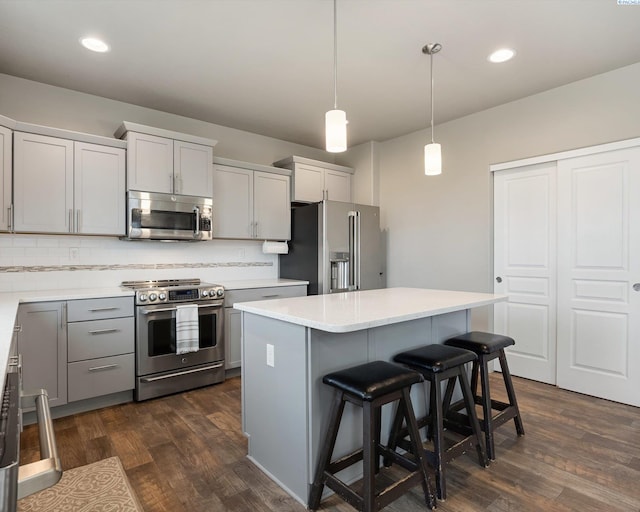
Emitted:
pixel 165 311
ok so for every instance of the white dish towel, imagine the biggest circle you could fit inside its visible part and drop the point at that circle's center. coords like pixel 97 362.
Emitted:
pixel 187 333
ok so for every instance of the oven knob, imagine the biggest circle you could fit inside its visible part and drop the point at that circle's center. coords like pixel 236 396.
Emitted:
pixel 220 292
pixel 162 296
pixel 142 297
pixel 152 296
pixel 205 293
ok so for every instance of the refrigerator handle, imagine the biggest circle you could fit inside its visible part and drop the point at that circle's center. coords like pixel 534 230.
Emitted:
pixel 354 250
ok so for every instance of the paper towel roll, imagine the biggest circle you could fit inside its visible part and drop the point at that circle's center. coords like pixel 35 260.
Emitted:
pixel 275 248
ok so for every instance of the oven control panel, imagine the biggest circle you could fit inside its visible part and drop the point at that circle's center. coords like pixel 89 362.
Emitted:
pixel 179 294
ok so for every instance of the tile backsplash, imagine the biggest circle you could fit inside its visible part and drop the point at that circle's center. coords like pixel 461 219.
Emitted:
pixel 34 262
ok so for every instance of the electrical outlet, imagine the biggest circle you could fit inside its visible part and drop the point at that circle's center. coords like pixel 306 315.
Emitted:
pixel 270 355
pixel 74 254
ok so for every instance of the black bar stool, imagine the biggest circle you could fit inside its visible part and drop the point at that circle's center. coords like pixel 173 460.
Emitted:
pixel 439 363
pixel 370 386
pixel 489 346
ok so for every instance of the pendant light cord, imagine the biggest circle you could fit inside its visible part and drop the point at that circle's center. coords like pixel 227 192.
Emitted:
pixel 431 71
pixel 335 56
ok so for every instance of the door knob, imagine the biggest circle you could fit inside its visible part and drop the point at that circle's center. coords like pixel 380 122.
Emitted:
pixel 498 279
pixel 636 287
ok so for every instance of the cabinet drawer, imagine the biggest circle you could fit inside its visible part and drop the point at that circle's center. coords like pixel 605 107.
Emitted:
pixel 274 292
pixel 100 338
pixel 88 379
pixel 97 309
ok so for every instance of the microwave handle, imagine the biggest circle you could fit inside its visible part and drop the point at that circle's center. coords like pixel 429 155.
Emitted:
pixel 196 232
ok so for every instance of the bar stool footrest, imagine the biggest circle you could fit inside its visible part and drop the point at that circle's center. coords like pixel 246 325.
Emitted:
pixel 346 461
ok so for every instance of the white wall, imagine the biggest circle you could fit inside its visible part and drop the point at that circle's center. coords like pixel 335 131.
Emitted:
pixel 364 158
pixel 34 102
pixel 40 262
pixel 439 229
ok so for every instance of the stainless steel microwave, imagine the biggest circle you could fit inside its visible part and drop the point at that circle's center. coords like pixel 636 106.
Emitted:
pixel 157 216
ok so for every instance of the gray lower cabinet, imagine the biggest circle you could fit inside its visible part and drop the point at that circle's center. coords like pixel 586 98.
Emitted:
pixel 101 347
pixel 232 325
pixel 42 342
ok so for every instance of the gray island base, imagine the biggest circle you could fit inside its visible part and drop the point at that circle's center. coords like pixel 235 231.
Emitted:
pixel 288 345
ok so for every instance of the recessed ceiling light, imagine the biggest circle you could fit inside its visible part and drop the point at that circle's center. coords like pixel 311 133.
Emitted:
pixel 95 45
pixel 502 55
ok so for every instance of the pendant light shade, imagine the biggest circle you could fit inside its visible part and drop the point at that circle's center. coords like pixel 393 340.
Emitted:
pixel 432 151
pixel 432 159
pixel 335 120
pixel 336 130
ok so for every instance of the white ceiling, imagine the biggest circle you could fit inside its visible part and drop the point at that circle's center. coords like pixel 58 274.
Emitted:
pixel 266 66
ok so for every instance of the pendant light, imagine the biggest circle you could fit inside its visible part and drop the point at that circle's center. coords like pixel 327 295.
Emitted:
pixel 335 120
pixel 432 151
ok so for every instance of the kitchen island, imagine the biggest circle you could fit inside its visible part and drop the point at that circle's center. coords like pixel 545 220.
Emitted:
pixel 289 344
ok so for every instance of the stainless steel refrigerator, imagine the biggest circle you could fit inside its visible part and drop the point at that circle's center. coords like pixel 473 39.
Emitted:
pixel 335 246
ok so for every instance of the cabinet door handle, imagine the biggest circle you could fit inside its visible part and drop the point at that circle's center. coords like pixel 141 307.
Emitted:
pixel 257 230
pixel 77 221
pixel 63 316
pixel 104 331
pixel 10 217
pixel 101 368
pixel 70 220
pixel 172 183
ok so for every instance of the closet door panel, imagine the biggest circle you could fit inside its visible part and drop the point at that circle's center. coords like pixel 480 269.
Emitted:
pixel 598 264
pixel 524 268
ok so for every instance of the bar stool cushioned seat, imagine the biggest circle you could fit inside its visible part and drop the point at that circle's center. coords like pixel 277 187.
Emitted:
pixel 371 386
pixel 489 346
pixel 439 363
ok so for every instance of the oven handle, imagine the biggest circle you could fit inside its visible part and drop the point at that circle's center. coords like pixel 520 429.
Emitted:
pixel 183 372
pixel 47 471
pixel 164 310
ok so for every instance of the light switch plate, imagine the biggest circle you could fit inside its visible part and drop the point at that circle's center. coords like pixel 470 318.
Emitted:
pixel 270 355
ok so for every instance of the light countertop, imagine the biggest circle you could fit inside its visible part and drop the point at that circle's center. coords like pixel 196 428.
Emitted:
pixel 10 301
pixel 353 311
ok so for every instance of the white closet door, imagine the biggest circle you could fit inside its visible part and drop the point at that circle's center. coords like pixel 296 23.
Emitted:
pixel 525 268
pixel 598 265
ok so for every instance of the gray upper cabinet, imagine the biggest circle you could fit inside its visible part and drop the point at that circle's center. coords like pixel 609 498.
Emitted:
pixel 250 201
pixel 62 186
pixel 313 180
pixel 5 178
pixel 99 189
pixel 169 162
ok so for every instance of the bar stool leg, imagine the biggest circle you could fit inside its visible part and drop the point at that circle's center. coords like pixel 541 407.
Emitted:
pixel 324 457
pixel 467 395
pixel 369 465
pixel 508 384
pixel 486 408
pixel 416 445
pixel 438 437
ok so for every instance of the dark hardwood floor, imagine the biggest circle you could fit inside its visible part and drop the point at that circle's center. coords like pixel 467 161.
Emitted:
pixel 187 453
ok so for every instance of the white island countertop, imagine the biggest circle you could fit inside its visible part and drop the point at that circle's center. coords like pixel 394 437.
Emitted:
pixel 353 311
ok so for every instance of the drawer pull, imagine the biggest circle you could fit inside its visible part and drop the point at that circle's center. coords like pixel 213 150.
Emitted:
pixel 104 331
pixel 97 310
pixel 101 368
pixel 271 296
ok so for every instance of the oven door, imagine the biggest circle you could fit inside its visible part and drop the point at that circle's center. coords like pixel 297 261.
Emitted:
pixel 156 338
